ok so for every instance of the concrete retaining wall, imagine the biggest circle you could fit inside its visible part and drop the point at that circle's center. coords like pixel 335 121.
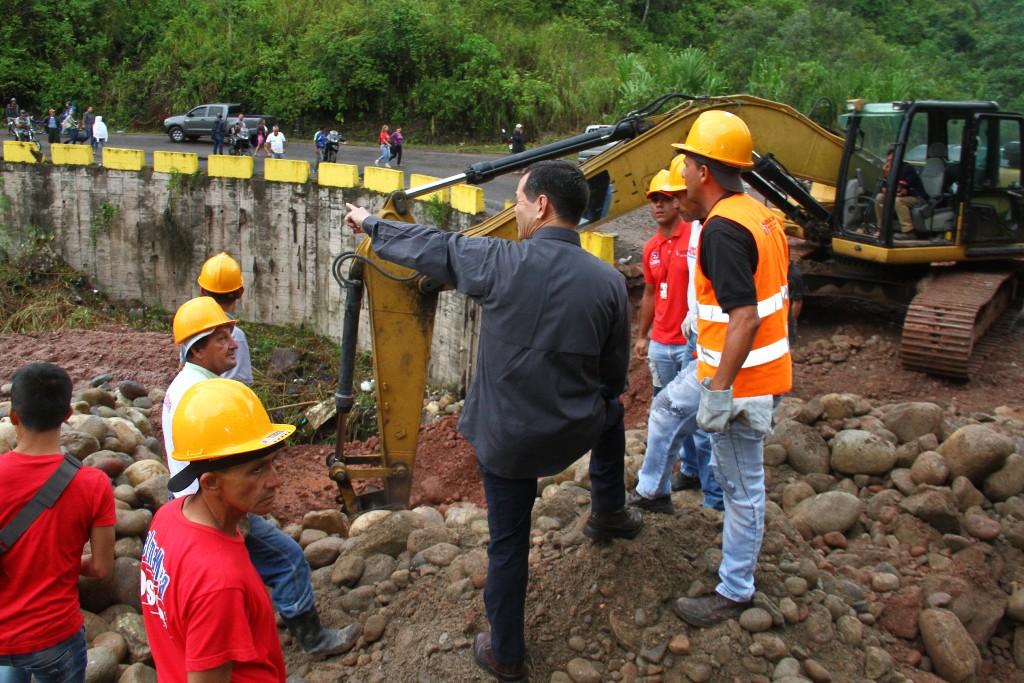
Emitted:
pixel 143 236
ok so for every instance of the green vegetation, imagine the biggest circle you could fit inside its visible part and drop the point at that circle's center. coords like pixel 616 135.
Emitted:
pixel 456 70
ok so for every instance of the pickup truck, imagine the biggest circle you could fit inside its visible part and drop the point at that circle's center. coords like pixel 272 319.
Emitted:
pixel 199 121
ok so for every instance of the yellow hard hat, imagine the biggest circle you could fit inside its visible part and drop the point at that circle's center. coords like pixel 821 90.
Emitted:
pixel 220 274
pixel 720 136
pixel 219 417
pixel 676 181
pixel 201 314
pixel 220 423
pixel 659 184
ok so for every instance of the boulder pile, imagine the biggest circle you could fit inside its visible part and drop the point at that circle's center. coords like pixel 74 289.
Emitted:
pixel 893 548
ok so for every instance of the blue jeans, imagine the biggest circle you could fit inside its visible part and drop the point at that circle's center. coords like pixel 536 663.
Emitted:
pixel 281 565
pixel 509 508
pixel 385 154
pixel 737 462
pixel 667 361
pixel 60 663
pixel 218 144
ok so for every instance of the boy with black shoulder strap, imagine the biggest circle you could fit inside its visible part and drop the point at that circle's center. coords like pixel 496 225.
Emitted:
pixel 49 507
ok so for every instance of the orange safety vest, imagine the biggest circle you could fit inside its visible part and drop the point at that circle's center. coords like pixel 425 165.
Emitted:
pixel 768 369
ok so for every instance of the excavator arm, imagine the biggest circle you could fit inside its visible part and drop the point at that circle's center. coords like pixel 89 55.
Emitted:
pixel 402 303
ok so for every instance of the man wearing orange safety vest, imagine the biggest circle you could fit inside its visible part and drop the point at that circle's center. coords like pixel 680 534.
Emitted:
pixel 743 363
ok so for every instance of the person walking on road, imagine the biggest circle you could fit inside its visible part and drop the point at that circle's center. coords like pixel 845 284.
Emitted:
pixel 384 140
pixel 277 143
pixel 99 133
pixel 41 558
pixel 548 380
pixel 204 331
pixel 52 128
pixel 218 131
pixel 397 140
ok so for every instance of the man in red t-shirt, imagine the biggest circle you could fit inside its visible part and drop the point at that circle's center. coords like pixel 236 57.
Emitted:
pixel 205 607
pixel 42 633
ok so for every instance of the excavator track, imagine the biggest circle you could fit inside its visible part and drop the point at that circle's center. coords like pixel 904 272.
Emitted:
pixel 951 313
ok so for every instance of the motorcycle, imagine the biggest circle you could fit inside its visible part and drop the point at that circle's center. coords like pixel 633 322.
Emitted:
pixel 239 144
pixel 334 138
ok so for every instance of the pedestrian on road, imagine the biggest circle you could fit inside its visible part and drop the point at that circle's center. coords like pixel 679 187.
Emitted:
pixel 261 138
pixel 88 118
pixel 548 380
pixel 43 633
pixel 319 145
pixel 208 349
pixel 218 131
pixel 743 363
pixel 277 143
pixel 207 614
pixel 52 128
pixel 384 140
pixel 397 140
pixel 99 133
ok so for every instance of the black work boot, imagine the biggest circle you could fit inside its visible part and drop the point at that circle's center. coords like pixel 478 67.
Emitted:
pixel 623 523
pixel 662 504
pixel 319 642
pixel 684 482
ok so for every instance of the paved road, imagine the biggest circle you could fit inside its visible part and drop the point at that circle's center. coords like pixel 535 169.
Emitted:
pixel 440 164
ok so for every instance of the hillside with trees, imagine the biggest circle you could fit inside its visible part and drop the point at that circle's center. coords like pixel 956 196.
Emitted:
pixel 463 69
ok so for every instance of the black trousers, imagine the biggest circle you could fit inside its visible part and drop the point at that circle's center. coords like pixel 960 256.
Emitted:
pixel 509 508
pixel 53 135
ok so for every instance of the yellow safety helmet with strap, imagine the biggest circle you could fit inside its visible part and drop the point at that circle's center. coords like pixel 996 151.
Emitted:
pixel 217 424
pixel 676 181
pixel 659 184
pixel 722 137
pixel 201 314
pixel 220 274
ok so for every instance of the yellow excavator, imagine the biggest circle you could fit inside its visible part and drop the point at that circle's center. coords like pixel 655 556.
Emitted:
pixel 956 271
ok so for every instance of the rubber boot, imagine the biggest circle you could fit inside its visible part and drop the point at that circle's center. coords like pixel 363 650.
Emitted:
pixel 319 642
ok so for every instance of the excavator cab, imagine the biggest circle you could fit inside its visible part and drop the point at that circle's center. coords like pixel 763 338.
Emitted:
pixel 966 157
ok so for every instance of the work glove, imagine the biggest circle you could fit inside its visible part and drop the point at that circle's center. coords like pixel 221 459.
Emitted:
pixel 687 326
pixel 715 409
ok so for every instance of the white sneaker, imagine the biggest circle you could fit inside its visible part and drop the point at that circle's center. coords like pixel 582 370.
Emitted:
pixel 376 162
pixel 387 165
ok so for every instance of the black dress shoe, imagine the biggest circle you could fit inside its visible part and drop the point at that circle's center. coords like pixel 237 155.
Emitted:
pixel 661 504
pixel 623 523
pixel 684 482
pixel 484 656
pixel 708 610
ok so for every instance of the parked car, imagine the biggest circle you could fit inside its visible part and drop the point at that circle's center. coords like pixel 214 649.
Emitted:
pixel 198 122
pixel 594 151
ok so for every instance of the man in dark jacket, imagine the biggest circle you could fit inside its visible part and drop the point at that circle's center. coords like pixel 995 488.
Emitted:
pixel 548 376
pixel 218 131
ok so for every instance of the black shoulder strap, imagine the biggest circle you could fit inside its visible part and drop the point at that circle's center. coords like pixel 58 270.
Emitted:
pixel 45 498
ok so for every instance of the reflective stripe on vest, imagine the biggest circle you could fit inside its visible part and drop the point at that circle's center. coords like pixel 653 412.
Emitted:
pixel 768 368
pixel 765 307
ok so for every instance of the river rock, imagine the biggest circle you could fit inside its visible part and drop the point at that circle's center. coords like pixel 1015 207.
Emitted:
pixel 131 626
pixel 420 539
pixel 582 671
pixel 911 421
pixel 100 665
pixel 936 506
pixel 855 451
pixel 975 451
pixel 126 433
pixel 347 570
pixel 378 568
pixel 1015 605
pixel 1007 481
pixel 113 641
pixel 389 536
pixel 806 451
pixel 132 390
pixel 328 521
pixel 96 595
pixel 967 494
pixel 132 522
pixel 441 554
pixel 825 512
pixel 143 470
pixel 126 574
pixel 373 627
pixel 138 673
pixel 838 406
pixel 79 444
pixel 930 468
pixel 794 494
pixel 323 552
pixel 954 655
pixel 366 521
pixel 97 397
pixel 755 620
pixel 153 491
pixel 982 527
